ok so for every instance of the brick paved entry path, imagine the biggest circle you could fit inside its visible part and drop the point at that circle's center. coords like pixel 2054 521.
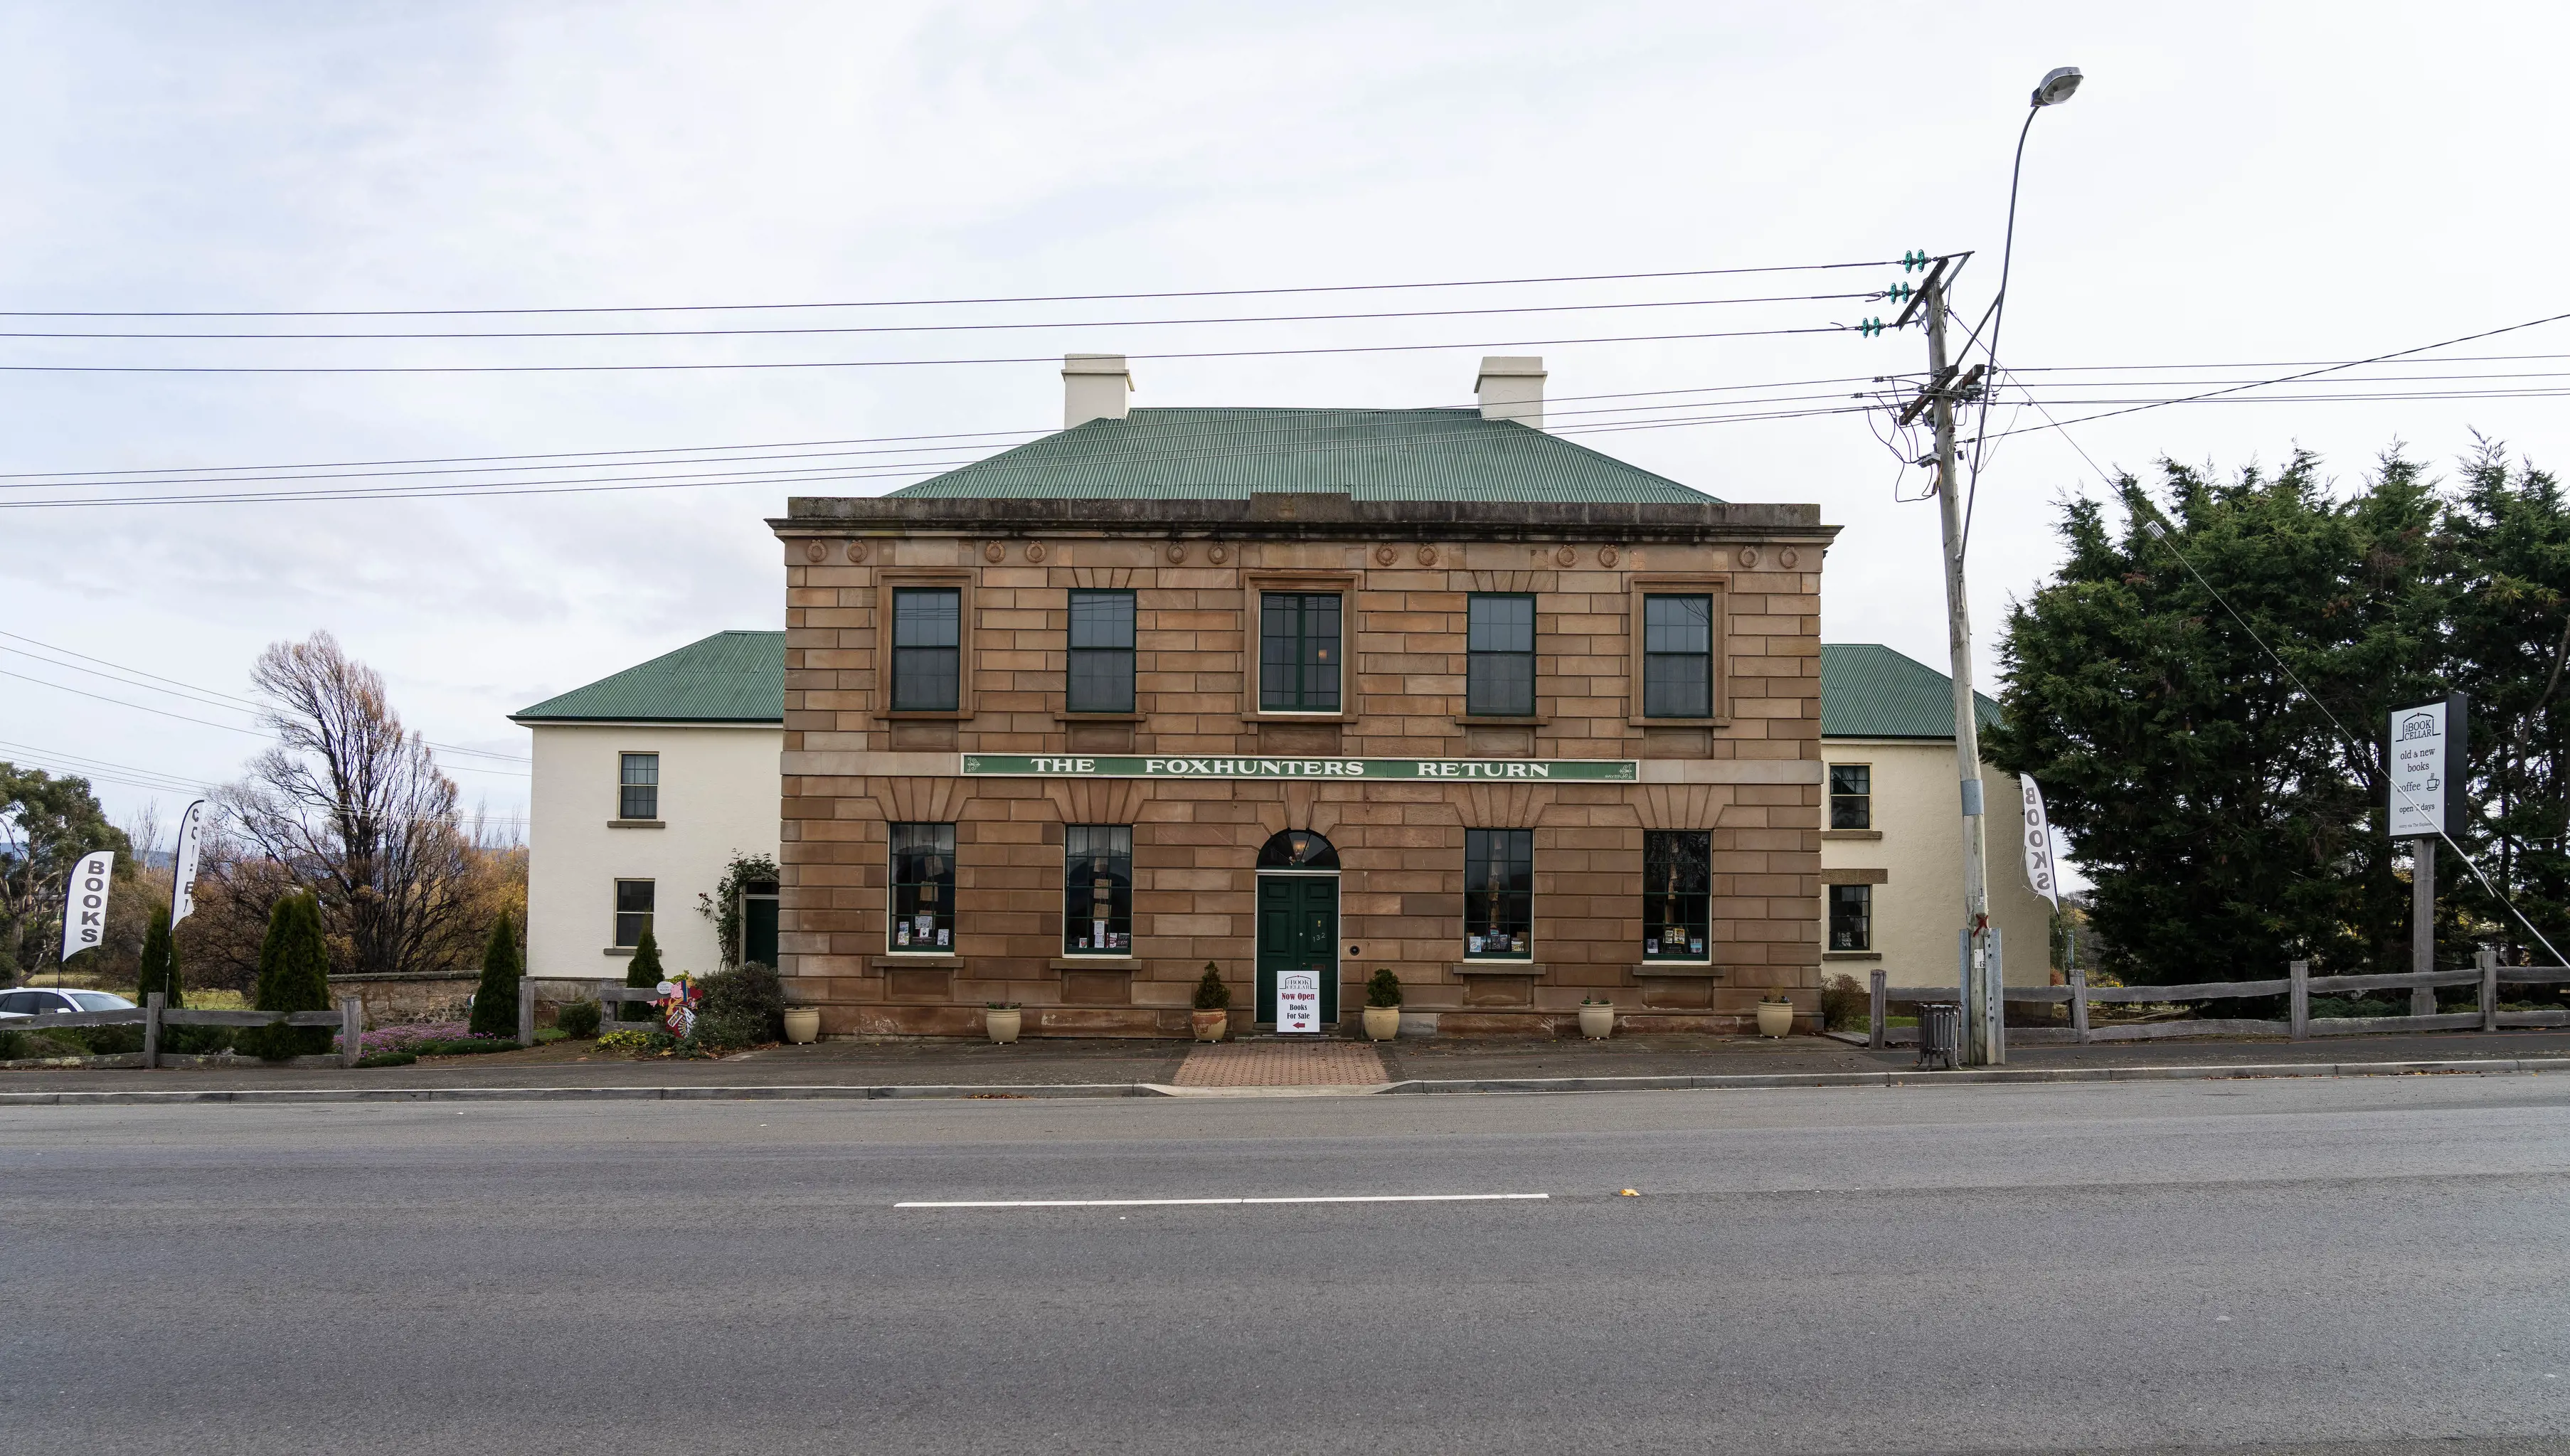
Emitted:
pixel 1314 1063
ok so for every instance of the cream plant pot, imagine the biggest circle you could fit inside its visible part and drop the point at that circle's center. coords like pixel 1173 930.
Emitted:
pixel 1002 1025
pixel 1208 1025
pixel 1382 1023
pixel 802 1024
pixel 1775 1018
pixel 1597 1022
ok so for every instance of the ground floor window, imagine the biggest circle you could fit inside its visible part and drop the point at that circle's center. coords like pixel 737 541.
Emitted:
pixel 1850 917
pixel 923 887
pixel 1098 889
pixel 1499 893
pixel 632 910
pixel 1677 894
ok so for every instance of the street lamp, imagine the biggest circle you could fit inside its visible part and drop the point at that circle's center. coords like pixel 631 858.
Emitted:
pixel 1985 1037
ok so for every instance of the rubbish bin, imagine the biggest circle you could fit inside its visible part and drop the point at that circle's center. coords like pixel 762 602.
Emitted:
pixel 1941 1030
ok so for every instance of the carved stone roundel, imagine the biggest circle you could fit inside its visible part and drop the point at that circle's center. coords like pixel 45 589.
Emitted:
pixel 1035 551
pixel 1218 554
pixel 1427 556
pixel 1567 556
pixel 1748 556
pixel 994 551
pixel 1385 555
pixel 856 550
pixel 815 550
pixel 1177 552
pixel 1787 557
pixel 1607 556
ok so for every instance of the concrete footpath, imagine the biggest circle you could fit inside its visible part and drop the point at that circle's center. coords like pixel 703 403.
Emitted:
pixel 1092 1069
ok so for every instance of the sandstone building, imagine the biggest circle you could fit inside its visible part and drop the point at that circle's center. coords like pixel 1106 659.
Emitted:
pixel 1300 690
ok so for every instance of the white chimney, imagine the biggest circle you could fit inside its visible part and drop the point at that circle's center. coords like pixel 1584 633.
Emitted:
pixel 1093 386
pixel 1512 388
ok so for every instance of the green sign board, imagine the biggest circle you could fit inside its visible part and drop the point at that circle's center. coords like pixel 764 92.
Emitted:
pixel 1232 765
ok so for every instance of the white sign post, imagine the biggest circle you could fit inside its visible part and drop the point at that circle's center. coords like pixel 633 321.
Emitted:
pixel 2419 776
pixel 1298 1001
pixel 85 904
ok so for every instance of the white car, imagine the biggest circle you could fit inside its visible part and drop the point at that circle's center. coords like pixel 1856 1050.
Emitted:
pixel 31 1001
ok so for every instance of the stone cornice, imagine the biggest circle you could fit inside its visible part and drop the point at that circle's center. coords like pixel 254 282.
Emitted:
pixel 1302 517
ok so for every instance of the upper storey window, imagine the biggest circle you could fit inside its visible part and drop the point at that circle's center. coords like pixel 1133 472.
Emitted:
pixel 927 649
pixel 1677 657
pixel 1298 652
pixel 1499 655
pixel 1101 652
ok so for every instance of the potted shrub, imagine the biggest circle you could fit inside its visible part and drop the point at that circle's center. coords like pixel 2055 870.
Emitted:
pixel 1596 1018
pixel 1382 1006
pixel 1001 1020
pixel 1212 1014
pixel 802 1024
pixel 1775 1015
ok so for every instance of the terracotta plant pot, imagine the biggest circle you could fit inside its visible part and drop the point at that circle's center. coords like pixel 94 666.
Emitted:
pixel 1597 1022
pixel 1382 1023
pixel 802 1025
pixel 1209 1025
pixel 1775 1018
pixel 1002 1025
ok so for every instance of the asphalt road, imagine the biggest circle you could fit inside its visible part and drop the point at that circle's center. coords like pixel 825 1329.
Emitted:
pixel 2373 1266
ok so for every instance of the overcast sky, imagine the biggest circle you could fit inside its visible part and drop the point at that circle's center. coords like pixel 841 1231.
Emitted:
pixel 2236 184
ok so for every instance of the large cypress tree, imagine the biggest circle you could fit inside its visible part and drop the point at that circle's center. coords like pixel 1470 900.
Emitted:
pixel 293 975
pixel 643 971
pixel 495 1001
pixel 160 964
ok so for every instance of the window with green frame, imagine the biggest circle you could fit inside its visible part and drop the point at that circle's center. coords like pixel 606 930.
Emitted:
pixel 1499 655
pixel 1298 652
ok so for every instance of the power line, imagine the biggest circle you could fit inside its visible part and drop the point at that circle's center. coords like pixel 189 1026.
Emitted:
pixel 1389 349
pixel 703 454
pixel 962 327
pixel 923 303
pixel 2306 375
pixel 229 702
pixel 206 722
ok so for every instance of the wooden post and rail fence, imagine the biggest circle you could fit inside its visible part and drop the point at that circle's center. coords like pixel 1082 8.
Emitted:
pixel 2298 986
pixel 349 1019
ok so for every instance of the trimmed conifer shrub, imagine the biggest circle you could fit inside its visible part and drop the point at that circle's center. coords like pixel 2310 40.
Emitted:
pixel 1384 990
pixel 160 964
pixel 293 975
pixel 1211 993
pixel 644 971
pixel 495 1001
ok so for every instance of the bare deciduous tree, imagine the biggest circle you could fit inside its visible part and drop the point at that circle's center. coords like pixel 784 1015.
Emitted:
pixel 357 808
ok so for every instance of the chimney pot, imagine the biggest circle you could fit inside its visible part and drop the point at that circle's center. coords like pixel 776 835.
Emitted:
pixel 1093 386
pixel 1512 387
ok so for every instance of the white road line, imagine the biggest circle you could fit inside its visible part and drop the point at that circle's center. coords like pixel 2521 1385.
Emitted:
pixel 1210 1202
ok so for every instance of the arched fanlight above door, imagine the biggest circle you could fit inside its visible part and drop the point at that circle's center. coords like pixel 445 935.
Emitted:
pixel 1298 849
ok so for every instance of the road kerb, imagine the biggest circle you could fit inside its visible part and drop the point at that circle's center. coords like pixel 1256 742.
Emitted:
pixel 1747 1082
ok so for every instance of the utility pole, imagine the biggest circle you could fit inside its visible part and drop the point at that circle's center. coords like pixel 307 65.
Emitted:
pixel 1984 1035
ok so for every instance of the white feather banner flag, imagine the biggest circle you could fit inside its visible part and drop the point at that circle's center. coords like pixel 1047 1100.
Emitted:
pixel 191 840
pixel 85 904
pixel 2039 847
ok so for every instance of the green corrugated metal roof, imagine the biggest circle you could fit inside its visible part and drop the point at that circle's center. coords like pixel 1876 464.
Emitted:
pixel 1868 690
pixel 730 677
pixel 1368 454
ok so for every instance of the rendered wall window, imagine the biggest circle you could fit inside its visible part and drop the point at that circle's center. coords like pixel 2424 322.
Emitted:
pixel 923 889
pixel 1098 889
pixel 1677 895
pixel 1298 652
pixel 1499 894
pixel 927 648
pixel 1101 652
pixel 632 910
pixel 1850 917
pixel 1677 657
pixel 1851 797
pixel 638 786
pixel 1498 642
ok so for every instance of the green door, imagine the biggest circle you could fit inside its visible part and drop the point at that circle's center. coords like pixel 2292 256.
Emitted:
pixel 758 929
pixel 1298 930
